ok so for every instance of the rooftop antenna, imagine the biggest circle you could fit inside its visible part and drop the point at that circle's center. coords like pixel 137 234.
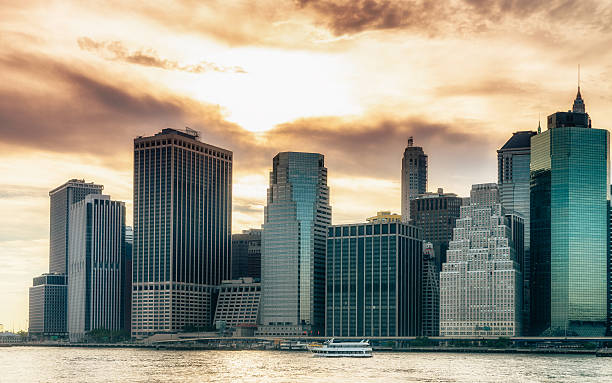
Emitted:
pixel 539 126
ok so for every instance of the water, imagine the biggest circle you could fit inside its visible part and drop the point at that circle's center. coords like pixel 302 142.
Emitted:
pixel 47 364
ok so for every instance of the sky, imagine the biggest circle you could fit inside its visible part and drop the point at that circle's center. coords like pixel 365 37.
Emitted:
pixel 351 79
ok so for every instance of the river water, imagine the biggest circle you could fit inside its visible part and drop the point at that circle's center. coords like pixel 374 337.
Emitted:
pixel 50 364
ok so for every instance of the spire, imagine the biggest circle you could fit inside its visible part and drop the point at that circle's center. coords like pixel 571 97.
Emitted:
pixel 539 126
pixel 578 102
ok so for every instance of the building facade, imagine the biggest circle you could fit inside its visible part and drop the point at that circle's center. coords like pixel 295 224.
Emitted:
pixel 61 198
pixel 182 230
pixel 569 225
pixel 414 176
pixel 246 254
pixel 430 300
pixel 238 302
pixel 480 283
pixel 48 303
pixel 435 215
pixel 126 278
pixel 293 246
pixel 96 246
pixel 513 177
pixel 373 280
pixel 384 217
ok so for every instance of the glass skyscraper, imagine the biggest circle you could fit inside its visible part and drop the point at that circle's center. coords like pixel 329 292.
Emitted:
pixel 513 176
pixel 373 280
pixel 182 230
pixel 569 223
pixel 293 246
pixel 96 256
pixel 414 176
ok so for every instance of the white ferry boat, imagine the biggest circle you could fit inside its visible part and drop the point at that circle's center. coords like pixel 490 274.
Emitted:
pixel 332 349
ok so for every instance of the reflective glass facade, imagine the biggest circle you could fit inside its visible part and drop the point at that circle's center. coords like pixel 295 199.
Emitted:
pixel 182 230
pixel 293 243
pixel 373 280
pixel 569 223
pixel 513 175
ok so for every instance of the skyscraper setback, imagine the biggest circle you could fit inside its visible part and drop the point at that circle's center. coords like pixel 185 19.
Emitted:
pixel 414 176
pixel 182 230
pixel 569 222
pixel 293 245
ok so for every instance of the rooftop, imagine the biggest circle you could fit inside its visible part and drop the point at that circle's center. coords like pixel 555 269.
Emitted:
pixel 519 140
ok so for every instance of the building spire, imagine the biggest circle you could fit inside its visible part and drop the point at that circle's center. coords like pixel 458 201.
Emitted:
pixel 539 125
pixel 578 102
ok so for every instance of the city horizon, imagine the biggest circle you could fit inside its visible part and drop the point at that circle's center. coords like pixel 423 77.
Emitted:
pixel 311 81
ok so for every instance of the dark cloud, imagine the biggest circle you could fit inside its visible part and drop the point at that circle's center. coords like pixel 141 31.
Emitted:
pixel 116 51
pixel 445 16
pixel 488 87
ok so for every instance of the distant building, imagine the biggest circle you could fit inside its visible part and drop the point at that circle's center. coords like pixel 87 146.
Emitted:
pixel 296 218
pixel 182 230
pixel 238 302
pixel 435 214
pixel 62 197
pixel 96 252
pixel 246 254
pixel 430 300
pixel 414 176
pixel 48 303
pixel 385 217
pixel 373 280
pixel 570 187
pixel 126 278
pixel 480 283
pixel 513 176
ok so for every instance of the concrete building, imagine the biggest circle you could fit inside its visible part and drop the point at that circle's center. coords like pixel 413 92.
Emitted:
pixel 384 217
pixel 246 254
pixel 570 187
pixel 126 278
pixel 373 280
pixel 238 302
pixel 435 215
pixel 182 230
pixel 62 197
pixel 96 252
pixel 48 303
pixel 430 300
pixel 513 176
pixel 480 283
pixel 293 246
pixel 414 176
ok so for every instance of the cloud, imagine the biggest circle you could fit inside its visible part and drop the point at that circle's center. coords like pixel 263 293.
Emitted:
pixel 116 51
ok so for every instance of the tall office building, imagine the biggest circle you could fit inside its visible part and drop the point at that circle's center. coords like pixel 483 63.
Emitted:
pixel 96 251
pixel 435 215
pixel 48 296
pixel 480 283
pixel 182 230
pixel 246 254
pixel 414 176
pixel 373 280
pixel 126 284
pixel 293 246
pixel 513 177
pixel 430 300
pixel 569 225
pixel 62 197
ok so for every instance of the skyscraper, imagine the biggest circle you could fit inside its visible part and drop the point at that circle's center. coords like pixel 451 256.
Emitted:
pixel 430 300
pixel 373 280
pixel 480 284
pixel 513 176
pixel 246 254
pixel 435 215
pixel 48 296
pixel 293 245
pixel 96 252
pixel 182 230
pixel 414 176
pixel 569 222
pixel 62 197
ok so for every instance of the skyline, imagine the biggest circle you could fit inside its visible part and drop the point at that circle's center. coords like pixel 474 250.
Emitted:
pixel 79 89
